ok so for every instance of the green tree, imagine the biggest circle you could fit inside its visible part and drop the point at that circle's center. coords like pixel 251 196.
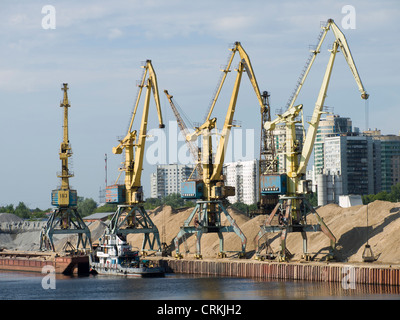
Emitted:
pixel 152 203
pixel 86 206
pixel 22 211
pixel 392 196
pixel 312 198
pixel 39 214
pixel 395 193
pixel 107 208
pixel 174 200
pixel 7 209
pixel 240 206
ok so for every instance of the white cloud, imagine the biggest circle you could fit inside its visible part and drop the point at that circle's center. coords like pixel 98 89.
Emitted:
pixel 114 33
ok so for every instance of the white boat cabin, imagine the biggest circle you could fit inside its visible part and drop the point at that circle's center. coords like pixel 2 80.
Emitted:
pixel 113 249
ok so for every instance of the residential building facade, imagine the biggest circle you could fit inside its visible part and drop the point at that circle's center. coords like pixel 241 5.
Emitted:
pixel 329 125
pixel 243 175
pixel 167 179
pixel 351 156
pixel 389 146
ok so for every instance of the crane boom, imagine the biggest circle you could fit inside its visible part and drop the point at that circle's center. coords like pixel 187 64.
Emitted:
pixel 213 172
pixel 341 39
pixel 223 142
pixel 211 192
pixel 65 218
pixel 249 70
pixel 131 217
pixel 134 143
pixel 293 207
pixel 65 147
pixel 312 130
pixel 194 151
pixel 315 119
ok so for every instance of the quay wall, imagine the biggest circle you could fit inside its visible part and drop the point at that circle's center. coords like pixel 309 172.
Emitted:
pixel 308 271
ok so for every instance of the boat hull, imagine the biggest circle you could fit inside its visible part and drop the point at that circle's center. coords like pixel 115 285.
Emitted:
pixel 141 272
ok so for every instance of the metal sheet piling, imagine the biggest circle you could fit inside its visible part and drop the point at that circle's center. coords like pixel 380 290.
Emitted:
pixel 308 271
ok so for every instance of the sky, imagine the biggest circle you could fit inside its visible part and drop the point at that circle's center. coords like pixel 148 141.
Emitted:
pixel 97 47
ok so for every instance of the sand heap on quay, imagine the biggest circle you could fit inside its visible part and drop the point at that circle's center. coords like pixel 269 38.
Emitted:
pixel 349 225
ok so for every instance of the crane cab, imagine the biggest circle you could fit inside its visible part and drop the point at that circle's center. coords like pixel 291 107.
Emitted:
pixel 64 198
pixel 273 184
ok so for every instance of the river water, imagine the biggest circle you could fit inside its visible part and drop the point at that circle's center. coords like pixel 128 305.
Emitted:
pixel 32 286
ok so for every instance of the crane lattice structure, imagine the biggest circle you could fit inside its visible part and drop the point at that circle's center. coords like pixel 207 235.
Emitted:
pixel 268 163
pixel 194 150
pixel 211 192
pixel 293 208
pixel 131 217
pixel 65 218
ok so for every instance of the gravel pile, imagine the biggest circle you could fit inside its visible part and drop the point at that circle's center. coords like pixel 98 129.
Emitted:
pixel 9 217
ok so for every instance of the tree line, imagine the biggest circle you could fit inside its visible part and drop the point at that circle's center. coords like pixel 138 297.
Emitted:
pixel 87 206
pixel 392 196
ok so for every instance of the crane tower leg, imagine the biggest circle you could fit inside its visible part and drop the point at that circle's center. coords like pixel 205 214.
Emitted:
pixel 209 222
pixel 133 220
pixel 293 221
pixel 65 221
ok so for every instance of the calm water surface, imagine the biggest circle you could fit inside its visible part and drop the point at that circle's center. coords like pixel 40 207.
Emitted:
pixel 28 286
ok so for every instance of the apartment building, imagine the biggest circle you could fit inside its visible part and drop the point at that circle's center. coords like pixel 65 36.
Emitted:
pixel 243 175
pixel 167 179
pixel 388 159
pixel 351 156
pixel 329 125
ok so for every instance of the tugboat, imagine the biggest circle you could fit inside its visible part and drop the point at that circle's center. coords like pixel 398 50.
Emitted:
pixel 115 256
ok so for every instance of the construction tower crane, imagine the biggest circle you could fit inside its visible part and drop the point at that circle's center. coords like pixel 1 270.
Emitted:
pixel 194 150
pixel 131 217
pixel 211 191
pixel 293 208
pixel 65 218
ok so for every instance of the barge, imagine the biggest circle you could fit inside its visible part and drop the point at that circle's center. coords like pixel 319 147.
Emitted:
pixel 34 261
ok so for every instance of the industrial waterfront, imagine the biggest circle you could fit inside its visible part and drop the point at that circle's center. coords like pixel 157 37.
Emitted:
pixel 331 236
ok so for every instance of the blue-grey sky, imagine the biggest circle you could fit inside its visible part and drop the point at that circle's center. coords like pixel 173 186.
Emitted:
pixel 97 48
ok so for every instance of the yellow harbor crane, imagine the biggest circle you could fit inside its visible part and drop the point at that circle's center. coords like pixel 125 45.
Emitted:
pixel 211 191
pixel 131 217
pixel 293 208
pixel 65 219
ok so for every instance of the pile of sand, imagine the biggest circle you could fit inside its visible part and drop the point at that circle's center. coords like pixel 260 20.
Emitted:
pixel 349 226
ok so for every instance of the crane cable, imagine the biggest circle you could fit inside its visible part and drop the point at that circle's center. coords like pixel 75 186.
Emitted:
pixel 366 103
